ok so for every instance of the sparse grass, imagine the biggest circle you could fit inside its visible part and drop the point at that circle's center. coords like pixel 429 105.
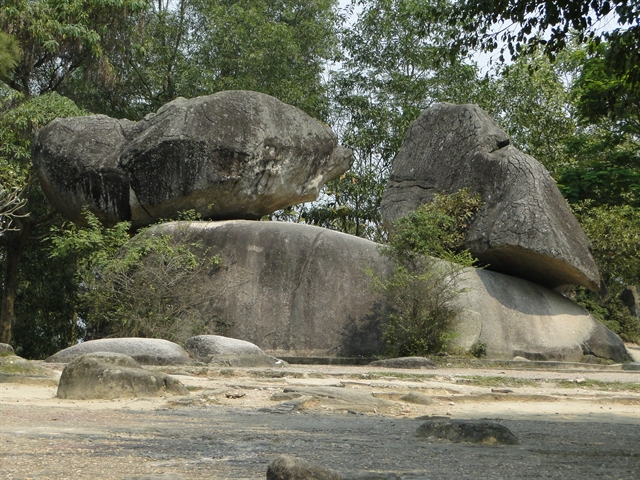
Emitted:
pixel 497 381
pixel 600 385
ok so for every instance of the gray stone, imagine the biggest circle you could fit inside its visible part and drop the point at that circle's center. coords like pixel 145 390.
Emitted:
pixel 104 375
pixel 300 290
pixel 525 227
pixel 147 351
pixel 631 298
pixel 5 348
pixel 467 431
pixel 202 347
pixel 417 398
pixel 404 362
pixel 285 467
pixel 234 154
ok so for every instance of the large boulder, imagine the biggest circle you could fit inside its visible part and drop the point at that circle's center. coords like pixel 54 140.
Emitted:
pixel 105 375
pixel 219 350
pixel 295 289
pixel 147 351
pixel 525 227
pixel 234 154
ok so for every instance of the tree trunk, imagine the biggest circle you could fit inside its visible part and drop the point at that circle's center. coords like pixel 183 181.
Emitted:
pixel 16 242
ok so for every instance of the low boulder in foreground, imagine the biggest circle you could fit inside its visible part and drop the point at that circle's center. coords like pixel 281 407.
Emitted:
pixel 104 375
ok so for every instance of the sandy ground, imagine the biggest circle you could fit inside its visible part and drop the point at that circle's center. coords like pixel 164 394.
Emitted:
pixel 571 424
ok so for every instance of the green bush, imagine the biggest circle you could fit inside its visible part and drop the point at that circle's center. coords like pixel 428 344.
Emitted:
pixel 428 263
pixel 146 286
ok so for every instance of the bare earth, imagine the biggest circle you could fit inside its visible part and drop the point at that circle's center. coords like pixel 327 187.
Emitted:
pixel 236 420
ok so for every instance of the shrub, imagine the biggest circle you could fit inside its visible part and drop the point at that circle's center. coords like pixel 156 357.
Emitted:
pixel 147 286
pixel 428 263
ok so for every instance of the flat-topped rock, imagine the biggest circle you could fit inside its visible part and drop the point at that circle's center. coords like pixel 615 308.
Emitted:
pixel 525 227
pixel 147 351
pixel 233 154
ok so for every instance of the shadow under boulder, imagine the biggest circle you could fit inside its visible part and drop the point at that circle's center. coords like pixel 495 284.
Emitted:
pixel 103 375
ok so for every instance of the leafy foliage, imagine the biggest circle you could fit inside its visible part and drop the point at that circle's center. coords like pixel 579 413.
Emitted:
pixel 198 47
pixel 421 289
pixel 523 25
pixel 615 234
pixel 146 286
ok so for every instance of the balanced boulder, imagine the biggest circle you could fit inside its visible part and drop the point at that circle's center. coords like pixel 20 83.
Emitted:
pixel 113 375
pixel 147 351
pixel 524 228
pixel 234 154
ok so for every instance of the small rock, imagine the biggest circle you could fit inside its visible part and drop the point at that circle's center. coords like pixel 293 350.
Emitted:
pixel 285 467
pixel 501 390
pixel 518 358
pixel 467 431
pixel 6 348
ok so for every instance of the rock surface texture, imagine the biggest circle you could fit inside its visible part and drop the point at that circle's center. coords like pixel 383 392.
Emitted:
pixel 300 290
pixel 234 154
pixel 147 351
pixel 525 227
pixel 286 467
pixel 113 375
pixel 467 431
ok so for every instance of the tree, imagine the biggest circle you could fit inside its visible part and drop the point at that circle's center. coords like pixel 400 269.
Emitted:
pixel 523 25
pixel 19 120
pixel 197 47
pixel 605 152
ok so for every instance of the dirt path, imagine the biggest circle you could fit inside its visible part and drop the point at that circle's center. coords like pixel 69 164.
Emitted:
pixel 577 424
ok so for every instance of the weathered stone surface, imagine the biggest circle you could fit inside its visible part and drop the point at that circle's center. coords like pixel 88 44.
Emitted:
pixel 525 227
pixel 202 347
pixel 113 375
pixel 467 431
pixel 234 154
pixel 404 362
pixel 147 351
pixel 340 398
pixel 631 298
pixel 6 348
pixel 301 290
pixel 285 467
